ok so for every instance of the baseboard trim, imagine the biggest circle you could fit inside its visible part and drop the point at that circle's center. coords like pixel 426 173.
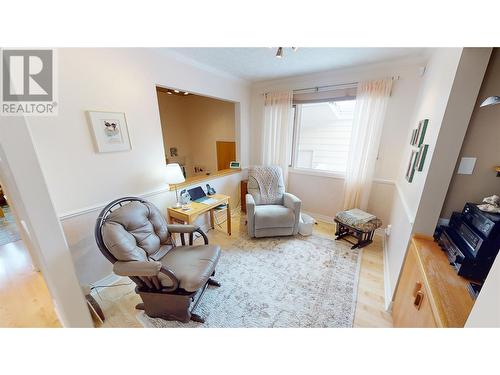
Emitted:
pixel 387 280
pixel 105 281
pixel 319 217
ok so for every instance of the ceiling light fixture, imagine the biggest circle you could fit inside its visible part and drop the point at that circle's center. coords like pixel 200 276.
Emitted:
pixel 176 91
pixel 491 100
pixel 186 93
pixel 169 92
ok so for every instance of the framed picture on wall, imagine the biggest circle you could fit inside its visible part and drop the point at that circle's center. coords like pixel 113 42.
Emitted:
pixel 413 140
pixel 422 153
pixel 410 170
pixel 421 130
pixel 109 130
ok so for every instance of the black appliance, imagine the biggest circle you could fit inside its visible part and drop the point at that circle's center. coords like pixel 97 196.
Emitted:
pixel 471 241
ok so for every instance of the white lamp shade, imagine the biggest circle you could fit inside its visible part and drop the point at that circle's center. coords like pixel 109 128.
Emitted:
pixel 173 174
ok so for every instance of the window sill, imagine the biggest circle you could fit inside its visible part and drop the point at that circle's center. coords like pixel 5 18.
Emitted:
pixel 317 173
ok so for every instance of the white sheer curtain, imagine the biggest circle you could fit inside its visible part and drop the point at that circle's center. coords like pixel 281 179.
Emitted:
pixel 369 112
pixel 277 130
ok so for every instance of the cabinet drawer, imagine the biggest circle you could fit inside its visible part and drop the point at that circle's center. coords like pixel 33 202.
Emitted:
pixel 411 304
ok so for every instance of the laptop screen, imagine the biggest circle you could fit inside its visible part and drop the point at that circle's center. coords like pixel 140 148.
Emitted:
pixel 196 193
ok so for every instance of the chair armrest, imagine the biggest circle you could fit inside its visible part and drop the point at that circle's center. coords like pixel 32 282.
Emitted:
pixel 181 228
pixel 187 228
pixel 294 203
pixel 250 214
pixel 137 268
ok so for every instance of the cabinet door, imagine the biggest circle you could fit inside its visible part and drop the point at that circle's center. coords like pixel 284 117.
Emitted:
pixel 411 306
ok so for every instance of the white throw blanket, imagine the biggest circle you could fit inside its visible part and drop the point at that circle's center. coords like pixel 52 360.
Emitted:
pixel 269 180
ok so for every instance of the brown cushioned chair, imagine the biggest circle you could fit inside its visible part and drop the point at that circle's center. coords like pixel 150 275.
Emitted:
pixel 134 236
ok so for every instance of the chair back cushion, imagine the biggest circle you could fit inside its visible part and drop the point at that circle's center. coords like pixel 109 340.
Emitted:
pixel 266 185
pixel 136 231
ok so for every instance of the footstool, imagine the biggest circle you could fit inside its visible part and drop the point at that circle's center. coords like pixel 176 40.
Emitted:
pixel 351 226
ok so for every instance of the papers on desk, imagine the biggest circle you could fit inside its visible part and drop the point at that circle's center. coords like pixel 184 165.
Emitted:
pixel 209 201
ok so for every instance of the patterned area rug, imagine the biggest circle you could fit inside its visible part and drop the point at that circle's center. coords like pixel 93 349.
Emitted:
pixel 8 229
pixel 280 282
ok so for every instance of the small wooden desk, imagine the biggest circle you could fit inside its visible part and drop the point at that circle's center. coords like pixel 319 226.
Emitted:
pixel 196 209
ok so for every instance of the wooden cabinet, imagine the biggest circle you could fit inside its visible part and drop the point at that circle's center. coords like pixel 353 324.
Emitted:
pixel 243 191
pixel 429 292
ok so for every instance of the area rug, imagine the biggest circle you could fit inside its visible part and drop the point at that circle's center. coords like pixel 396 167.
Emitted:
pixel 279 282
pixel 8 229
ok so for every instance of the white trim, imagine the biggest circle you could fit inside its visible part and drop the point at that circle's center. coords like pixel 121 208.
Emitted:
pixel 336 176
pixel 314 172
pixel 383 181
pixel 111 279
pixel 387 279
pixel 179 57
pixel 319 217
pixel 411 217
pixel 86 210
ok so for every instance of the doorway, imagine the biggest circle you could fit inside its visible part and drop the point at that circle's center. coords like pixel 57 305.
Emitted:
pixel 9 232
pixel 24 296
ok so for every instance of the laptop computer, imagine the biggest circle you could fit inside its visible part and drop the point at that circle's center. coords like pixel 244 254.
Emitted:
pixel 198 195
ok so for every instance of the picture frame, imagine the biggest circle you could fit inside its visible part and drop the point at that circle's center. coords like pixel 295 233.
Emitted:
pixel 413 139
pixel 422 153
pixel 109 131
pixel 421 130
pixel 410 170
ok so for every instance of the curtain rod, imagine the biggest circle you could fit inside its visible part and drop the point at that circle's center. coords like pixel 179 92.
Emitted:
pixel 317 88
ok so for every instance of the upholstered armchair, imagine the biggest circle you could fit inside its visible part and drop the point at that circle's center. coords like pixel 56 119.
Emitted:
pixel 270 210
pixel 134 236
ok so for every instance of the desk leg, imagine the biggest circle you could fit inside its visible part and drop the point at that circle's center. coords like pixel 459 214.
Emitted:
pixel 228 216
pixel 212 221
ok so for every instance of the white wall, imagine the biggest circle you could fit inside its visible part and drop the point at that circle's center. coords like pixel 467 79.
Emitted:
pixel 123 80
pixel 400 110
pixel 452 81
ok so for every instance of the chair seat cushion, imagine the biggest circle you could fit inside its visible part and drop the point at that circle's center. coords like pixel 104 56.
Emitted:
pixel 192 265
pixel 273 216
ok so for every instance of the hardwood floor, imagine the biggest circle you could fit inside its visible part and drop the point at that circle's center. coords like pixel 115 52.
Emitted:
pixel 118 302
pixel 24 298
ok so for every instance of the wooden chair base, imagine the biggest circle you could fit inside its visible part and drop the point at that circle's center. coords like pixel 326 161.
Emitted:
pixel 362 238
pixel 173 305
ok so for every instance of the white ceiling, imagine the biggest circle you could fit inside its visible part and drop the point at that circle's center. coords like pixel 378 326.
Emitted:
pixel 259 64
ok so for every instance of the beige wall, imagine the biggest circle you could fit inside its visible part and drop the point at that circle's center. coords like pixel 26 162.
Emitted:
pixel 482 141
pixel 193 124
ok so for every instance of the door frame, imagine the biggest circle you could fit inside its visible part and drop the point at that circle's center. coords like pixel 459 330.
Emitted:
pixel 29 197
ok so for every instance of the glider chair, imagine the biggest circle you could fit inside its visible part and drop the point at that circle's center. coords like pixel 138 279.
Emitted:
pixel 270 210
pixel 171 280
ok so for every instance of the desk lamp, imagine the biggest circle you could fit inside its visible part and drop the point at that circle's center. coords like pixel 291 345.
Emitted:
pixel 174 176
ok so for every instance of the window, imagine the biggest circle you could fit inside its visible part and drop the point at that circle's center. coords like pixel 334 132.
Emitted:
pixel 322 135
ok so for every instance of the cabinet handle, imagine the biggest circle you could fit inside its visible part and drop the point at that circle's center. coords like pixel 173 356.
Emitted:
pixel 419 297
pixel 418 287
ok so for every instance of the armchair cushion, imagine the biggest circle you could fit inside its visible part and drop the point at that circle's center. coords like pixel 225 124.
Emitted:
pixel 135 231
pixel 136 268
pixel 273 216
pixel 192 265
